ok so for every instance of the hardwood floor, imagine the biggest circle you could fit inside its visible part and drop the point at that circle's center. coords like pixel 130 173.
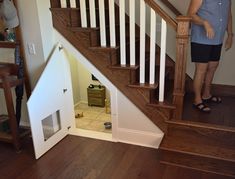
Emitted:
pixel 78 157
pixel 221 114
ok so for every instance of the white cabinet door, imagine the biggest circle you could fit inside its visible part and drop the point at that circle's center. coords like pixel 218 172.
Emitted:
pixel 50 106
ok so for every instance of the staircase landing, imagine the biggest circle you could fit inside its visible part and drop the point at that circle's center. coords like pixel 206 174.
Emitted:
pixel 222 114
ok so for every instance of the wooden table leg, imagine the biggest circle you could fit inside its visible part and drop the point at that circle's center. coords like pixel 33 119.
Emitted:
pixel 11 113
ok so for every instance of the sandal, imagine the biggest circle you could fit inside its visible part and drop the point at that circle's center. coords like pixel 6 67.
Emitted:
pixel 212 99
pixel 202 107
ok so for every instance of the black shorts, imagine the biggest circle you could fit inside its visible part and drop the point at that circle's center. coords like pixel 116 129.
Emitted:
pixel 202 53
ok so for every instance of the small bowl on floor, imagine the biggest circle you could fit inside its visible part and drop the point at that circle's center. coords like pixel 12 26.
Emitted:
pixel 108 125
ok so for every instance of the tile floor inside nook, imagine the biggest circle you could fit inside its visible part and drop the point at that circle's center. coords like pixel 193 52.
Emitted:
pixel 93 118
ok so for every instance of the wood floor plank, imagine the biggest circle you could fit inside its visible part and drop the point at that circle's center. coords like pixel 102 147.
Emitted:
pixel 78 157
pixel 221 114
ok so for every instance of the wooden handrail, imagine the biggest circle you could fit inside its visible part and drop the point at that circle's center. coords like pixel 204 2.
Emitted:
pixel 171 7
pixel 162 13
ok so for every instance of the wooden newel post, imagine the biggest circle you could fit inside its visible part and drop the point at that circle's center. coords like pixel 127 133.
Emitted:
pixel 55 4
pixel 182 39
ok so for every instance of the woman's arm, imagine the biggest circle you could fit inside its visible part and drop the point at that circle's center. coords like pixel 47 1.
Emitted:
pixel 229 40
pixel 192 12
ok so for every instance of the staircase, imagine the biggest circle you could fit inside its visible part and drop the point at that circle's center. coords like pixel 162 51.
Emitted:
pixel 99 29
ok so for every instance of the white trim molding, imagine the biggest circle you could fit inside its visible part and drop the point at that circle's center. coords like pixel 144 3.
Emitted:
pixel 141 138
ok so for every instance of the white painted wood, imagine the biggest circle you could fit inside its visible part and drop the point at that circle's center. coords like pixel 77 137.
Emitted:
pixel 102 23
pixel 83 13
pixel 48 97
pixel 152 47
pixel 63 3
pixel 112 23
pixel 132 31
pixel 141 138
pixel 122 32
pixel 91 134
pixel 162 61
pixel 142 40
pixel 73 3
pixel 92 13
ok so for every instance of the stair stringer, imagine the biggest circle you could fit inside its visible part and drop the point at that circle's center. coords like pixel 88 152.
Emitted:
pixel 100 58
pixel 143 132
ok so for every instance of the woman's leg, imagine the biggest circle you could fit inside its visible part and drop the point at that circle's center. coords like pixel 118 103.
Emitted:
pixel 212 66
pixel 199 76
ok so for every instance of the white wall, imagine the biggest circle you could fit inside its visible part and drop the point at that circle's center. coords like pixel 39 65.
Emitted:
pixel 81 79
pixel 29 22
pixel 84 80
pixel 46 30
pixel 74 76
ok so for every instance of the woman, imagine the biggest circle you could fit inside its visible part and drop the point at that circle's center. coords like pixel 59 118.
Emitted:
pixel 210 20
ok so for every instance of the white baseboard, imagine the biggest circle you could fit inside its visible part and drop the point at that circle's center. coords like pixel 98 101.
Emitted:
pixel 80 102
pixel 91 134
pixel 141 138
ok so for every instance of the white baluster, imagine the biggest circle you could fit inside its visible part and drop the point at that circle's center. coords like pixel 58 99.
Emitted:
pixel 73 3
pixel 112 23
pixel 102 23
pixel 92 13
pixel 132 31
pixel 152 47
pixel 122 32
pixel 162 61
pixel 142 41
pixel 83 13
pixel 63 3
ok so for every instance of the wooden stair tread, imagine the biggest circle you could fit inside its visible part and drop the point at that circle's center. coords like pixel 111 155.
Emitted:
pixel 74 8
pixel 61 9
pixel 164 104
pixel 221 116
pixel 83 29
pixel 144 85
pixel 125 67
pixel 188 146
pixel 104 48
pixel 87 9
pixel 199 163
pixel 202 125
